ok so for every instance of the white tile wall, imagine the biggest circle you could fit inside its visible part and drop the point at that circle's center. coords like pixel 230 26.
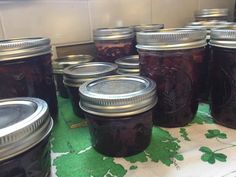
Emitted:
pixel 110 13
pixel 62 21
pixel 72 21
pixel 173 13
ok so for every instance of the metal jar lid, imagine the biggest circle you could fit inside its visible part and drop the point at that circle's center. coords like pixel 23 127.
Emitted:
pixel 171 39
pixel 61 63
pixel 24 48
pixel 118 96
pixel 148 27
pixel 208 13
pixel 128 65
pixel 113 33
pixel 208 25
pixel 24 122
pixel 76 75
pixel 224 37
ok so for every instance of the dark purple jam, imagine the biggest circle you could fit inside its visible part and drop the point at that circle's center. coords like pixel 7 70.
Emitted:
pixel 177 75
pixel 35 162
pixel 120 136
pixel 75 98
pixel 110 50
pixel 223 86
pixel 29 77
pixel 60 86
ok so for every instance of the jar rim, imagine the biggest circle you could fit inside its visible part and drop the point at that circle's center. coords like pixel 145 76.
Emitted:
pixel 207 13
pixel 148 27
pixel 18 48
pixel 128 62
pixel 171 39
pixel 27 128
pixel 223 37
pixel 78 74
pixel 118 95
pixel 117 33
pixel 60 63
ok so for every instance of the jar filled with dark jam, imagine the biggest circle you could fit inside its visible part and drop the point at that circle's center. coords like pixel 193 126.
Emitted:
pixel 128 65
pixel 61 63
pixel 76 75
pixel 26 70
pixel 223 76
pixel 113 43
pixel 119 113
pixel 212 14
pixel 172 58
pixel 25 126
pixel 206 65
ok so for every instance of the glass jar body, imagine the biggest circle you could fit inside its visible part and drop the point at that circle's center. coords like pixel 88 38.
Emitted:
pixel 60 86
pixel 177 75
pixel 29 77
pixel 35 162
pixel 223 86
pixel 110 50
pixel 75 98
pixel 120 136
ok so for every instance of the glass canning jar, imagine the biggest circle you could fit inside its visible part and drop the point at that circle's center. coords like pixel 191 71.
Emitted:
pixel 206 65
pixel 61 63
pixel 212 14
pixel 119 113
pixel 26 70
pixel 113 43
pixel 25 126
pixel 76 75
pixel 128 65
pixel 172 58
pixel 223 76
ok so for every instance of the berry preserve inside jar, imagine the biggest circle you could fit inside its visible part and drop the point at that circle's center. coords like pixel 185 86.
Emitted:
pixel 172 58
pixel 76 75
pixel 25 126
pixel 61 63
pixel 119 113
pixel 223 76
pixel 26 70
pixel 113 43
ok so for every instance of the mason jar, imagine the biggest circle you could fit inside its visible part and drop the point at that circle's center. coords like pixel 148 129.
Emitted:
pixel 63 62
pixel 206 67
pixel 113 43
pixel 172 58
pixel 119 113
pixel 76 75
pixel 212 14
pixel 25 127
pixel 128 65
pixel 26 70
pixel 223 76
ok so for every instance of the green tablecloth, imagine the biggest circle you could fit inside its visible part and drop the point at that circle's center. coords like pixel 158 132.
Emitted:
pixel 201 149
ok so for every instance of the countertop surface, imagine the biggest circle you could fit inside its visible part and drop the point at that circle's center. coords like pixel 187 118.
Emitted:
pixel 201 149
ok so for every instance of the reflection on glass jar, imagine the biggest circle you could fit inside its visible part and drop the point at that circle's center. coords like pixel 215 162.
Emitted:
pixel 113 43
pixel 119 113
pixel 223 76
pixel 26 70
pixel 173 62
pixel 25 126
